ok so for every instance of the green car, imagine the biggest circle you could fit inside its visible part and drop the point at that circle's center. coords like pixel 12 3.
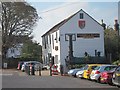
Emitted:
pixel 116 77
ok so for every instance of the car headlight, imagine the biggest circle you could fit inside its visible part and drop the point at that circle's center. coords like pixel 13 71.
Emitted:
pixel 71 71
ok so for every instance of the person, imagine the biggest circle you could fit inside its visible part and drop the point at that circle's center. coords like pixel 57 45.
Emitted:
pixel 103 24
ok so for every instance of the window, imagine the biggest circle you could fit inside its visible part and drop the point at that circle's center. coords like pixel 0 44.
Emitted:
pixel 118 69
pixel 46 39
pixel 56 59
pixel 56 38
pixel 45 42
pixel 107 68
pixel 50 39
pixel 12 51
pixel 53 41
pixel 93 67
pixel 97 68
pixel 56 48
pixel 86 67
pixel 81 16
pixel 67 37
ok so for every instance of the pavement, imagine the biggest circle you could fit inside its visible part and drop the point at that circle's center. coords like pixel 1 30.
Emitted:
pixel 12 72
pixel 20 73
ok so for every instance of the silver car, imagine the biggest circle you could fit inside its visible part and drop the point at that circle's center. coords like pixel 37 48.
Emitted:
pixel 79 74
pixel 73 72
pixel 95 74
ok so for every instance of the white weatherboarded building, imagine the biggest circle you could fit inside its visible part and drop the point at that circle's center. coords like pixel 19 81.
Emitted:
pixel 87 33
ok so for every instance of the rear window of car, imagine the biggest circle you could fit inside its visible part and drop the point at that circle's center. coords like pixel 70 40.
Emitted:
pixel 97 68
pixel 93 67
pixel 118 69
pixel 108 68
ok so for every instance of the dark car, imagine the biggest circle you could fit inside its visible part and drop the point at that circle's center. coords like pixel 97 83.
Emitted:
pixel 116 77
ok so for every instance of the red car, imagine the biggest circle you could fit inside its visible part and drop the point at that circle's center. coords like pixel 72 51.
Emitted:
pixel 106 77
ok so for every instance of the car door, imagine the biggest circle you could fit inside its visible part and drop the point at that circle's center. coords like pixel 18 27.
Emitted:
pixel 85 74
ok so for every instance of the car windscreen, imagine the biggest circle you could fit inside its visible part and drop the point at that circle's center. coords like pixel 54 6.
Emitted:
pixel 86 67
pixel 108 68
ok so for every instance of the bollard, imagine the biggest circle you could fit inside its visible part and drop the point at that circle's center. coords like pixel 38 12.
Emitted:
pixel 50 71
pixel 28 70
pixel 33 70
pixel 61 69
pixel 39 71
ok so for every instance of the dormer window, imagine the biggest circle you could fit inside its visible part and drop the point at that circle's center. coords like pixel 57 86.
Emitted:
pixel 81 16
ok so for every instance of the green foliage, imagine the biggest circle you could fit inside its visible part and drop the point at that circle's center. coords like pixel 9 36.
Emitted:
pixel 112 43
pixel 116 62
pixel 32 50
pixel 18 20
pixel 77 66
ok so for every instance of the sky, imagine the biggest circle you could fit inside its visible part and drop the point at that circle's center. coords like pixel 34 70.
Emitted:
pixel 52 12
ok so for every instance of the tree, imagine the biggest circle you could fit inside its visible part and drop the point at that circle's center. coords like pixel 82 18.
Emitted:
pixel 112 43
pixel 32 50
pixel 18 20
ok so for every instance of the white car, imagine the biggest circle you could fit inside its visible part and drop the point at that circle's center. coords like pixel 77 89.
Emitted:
pixel 95 74
pixel 79 74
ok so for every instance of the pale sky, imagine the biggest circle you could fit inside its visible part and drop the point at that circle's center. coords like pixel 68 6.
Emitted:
pixel 53 12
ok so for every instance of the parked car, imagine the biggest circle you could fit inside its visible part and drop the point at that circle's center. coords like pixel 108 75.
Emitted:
pixel 73 72
pixel 79 74
pixel 36 65
pixel 106 77
pixel 116 76
pixel 88 69
pixel 20 65
pixel 95 74
pixel 45 67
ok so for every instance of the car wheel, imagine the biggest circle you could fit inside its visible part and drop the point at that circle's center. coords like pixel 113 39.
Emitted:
pixel 99 80
pixel 118 86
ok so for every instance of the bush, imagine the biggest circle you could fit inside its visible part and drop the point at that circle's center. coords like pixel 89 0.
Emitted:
pixel 116 62
pixel 78 65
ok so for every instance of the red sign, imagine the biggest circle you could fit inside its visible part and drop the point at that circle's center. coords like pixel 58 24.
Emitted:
pixel 81 24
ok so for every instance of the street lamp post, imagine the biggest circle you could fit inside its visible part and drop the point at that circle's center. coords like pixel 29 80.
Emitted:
pixel 116 26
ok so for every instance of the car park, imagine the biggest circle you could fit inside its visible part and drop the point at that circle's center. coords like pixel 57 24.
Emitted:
pixel 37 65
pixel 73 72
pixel 88 69
pixel 95 74
pixel 116 77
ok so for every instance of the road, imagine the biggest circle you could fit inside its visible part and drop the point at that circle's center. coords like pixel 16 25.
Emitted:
pixel 23 81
